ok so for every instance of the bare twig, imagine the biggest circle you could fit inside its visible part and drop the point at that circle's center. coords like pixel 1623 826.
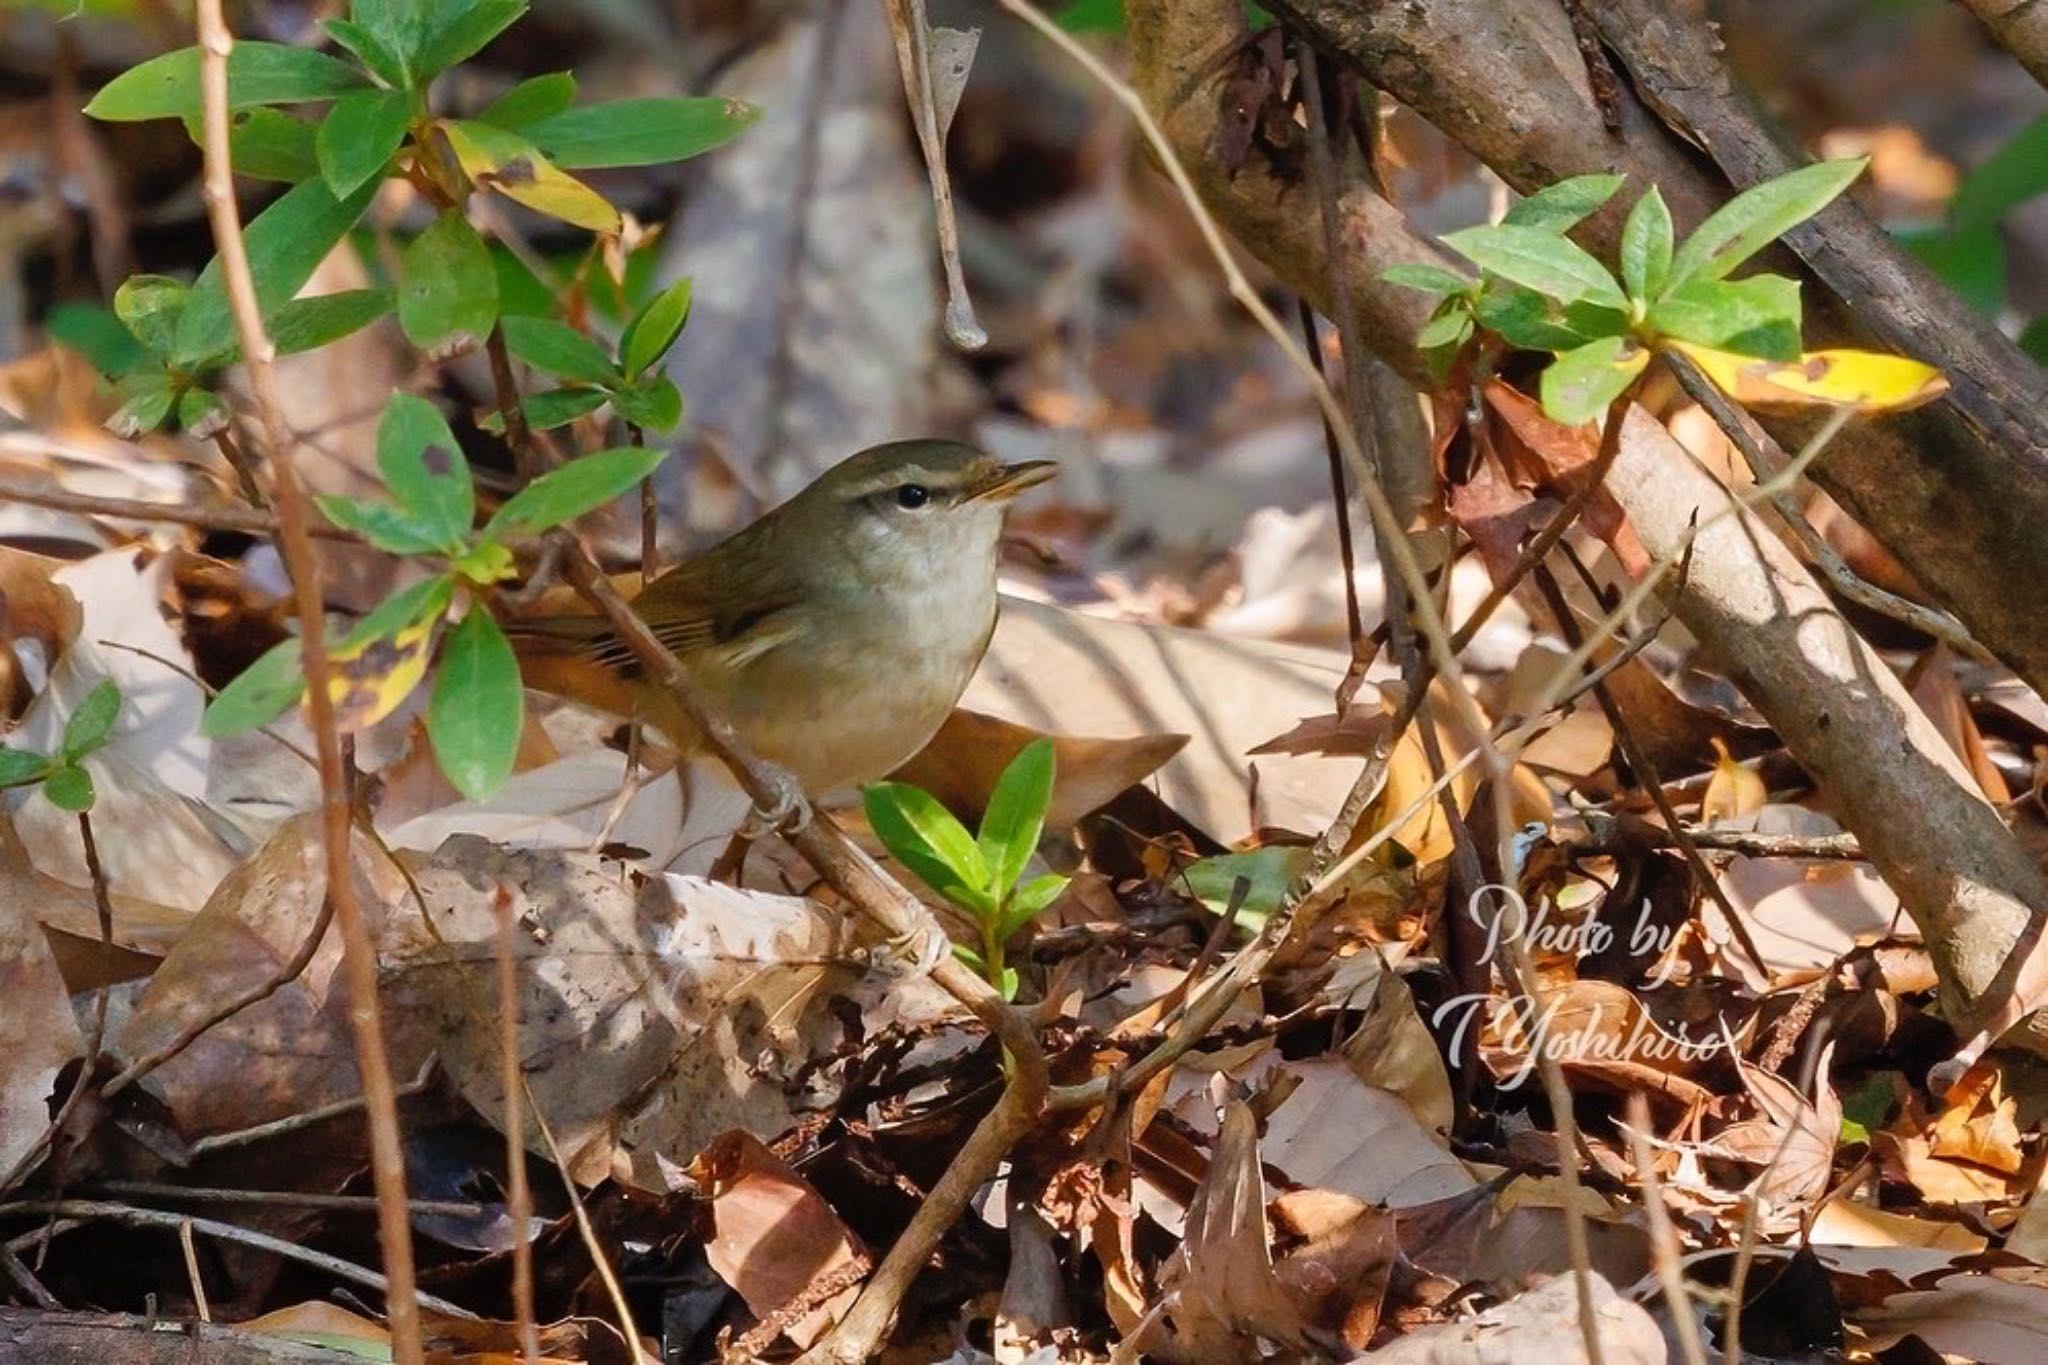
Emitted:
pixel 518 1195
pixel 292 1123
pixel 237 519
pixel 359 949
pixel 1664 1248
pixel 614 1291
pixel 129 1216
pixel 192 1270
pixel 287 1199
pixel 1604 836
pixel 239 461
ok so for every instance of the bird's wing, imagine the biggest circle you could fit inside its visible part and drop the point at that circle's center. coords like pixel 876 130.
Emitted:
pixel 681 610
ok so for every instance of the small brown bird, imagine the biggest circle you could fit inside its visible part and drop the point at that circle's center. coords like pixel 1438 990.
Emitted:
pixel 836 632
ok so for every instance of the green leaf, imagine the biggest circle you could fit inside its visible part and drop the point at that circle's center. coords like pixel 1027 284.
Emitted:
pixel 1092 16
pixel 655 328
pixel 69 787
pixel 653 404
pixel 408 607
pixel 532 100
pixel 146 398
pixel 643 132
pixel 2010 176
pixel 372 50
pixel 1029 901
pixel 1267 872
pixel 19 767
pixel 258 73
pixel 465 34
pixel 423 466
pixel 478 707
pixel 385 525
pixel 926 838
pixel 201 413
pixel 310 323
pixel 150 306
pixel 268 144
pixel 94 332
pixel 1016 815
pixel 1448 328
pixel 1559 208
pixel 559 349
pixel 1646 245
pixel 262 693
pixel 553 408
pixel 1539 260
pixel 93 721
pixel 1529 321
pixel 1430 279
pixel 449 301
pixel 360 135
pixel 567 492
pixel 1757 217
pixel 1580 384
pixel 1756 316
pixel 286 243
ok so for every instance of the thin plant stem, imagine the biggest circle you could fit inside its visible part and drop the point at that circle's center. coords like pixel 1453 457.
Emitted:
pixel 359 949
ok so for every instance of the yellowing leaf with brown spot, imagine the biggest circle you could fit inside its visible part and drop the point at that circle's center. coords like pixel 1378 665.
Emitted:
pixel 368 679
pixel 515 168
pixel 1863 380
pixel 1733 791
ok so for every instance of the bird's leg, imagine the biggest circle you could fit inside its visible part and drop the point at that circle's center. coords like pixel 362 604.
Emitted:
pixel 787 810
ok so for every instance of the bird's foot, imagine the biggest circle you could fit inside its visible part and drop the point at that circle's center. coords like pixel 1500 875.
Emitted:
pixel 787 811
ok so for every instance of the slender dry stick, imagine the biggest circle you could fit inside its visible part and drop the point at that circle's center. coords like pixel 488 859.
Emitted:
pixel 293 1123
pixel 1927 620
pixel 141 509
pixel 1663 1238
pixel 518 1195
pixel 286 1199
pixel 239 461
pixel 614 1291
pixel 91 1210
pixel 359 948
pixel 192 1269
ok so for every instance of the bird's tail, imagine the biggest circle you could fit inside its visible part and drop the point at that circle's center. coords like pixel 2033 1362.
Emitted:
pixel 573 657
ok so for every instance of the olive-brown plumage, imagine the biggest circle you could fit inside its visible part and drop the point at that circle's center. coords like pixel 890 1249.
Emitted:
pixel 836 632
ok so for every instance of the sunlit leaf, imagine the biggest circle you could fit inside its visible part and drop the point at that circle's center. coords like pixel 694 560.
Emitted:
pixel 258 73
pixel 1430 279
pixel 506 162
pixel 1646 243
pixel 1862 380
pixel 1561 207
pixel 150 306
pixel 1539 260
pixel 1757 316
pixel 1580 384
pixel 1028 901
pixel 1757 217
pixel 1016 815
pixel 478 707
pixel 1448 328
pixel 385 525
pixel 267 144
pixel 926 838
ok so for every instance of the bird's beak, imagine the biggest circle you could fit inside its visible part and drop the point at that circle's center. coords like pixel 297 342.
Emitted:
pixel 1011 479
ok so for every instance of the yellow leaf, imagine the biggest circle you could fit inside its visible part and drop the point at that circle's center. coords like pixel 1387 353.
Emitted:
pixel 369 678
pixel 1733 791
pixel 1862 380
pixel 515 168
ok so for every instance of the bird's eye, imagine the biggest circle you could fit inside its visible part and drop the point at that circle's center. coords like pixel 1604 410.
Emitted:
pixel 913 496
